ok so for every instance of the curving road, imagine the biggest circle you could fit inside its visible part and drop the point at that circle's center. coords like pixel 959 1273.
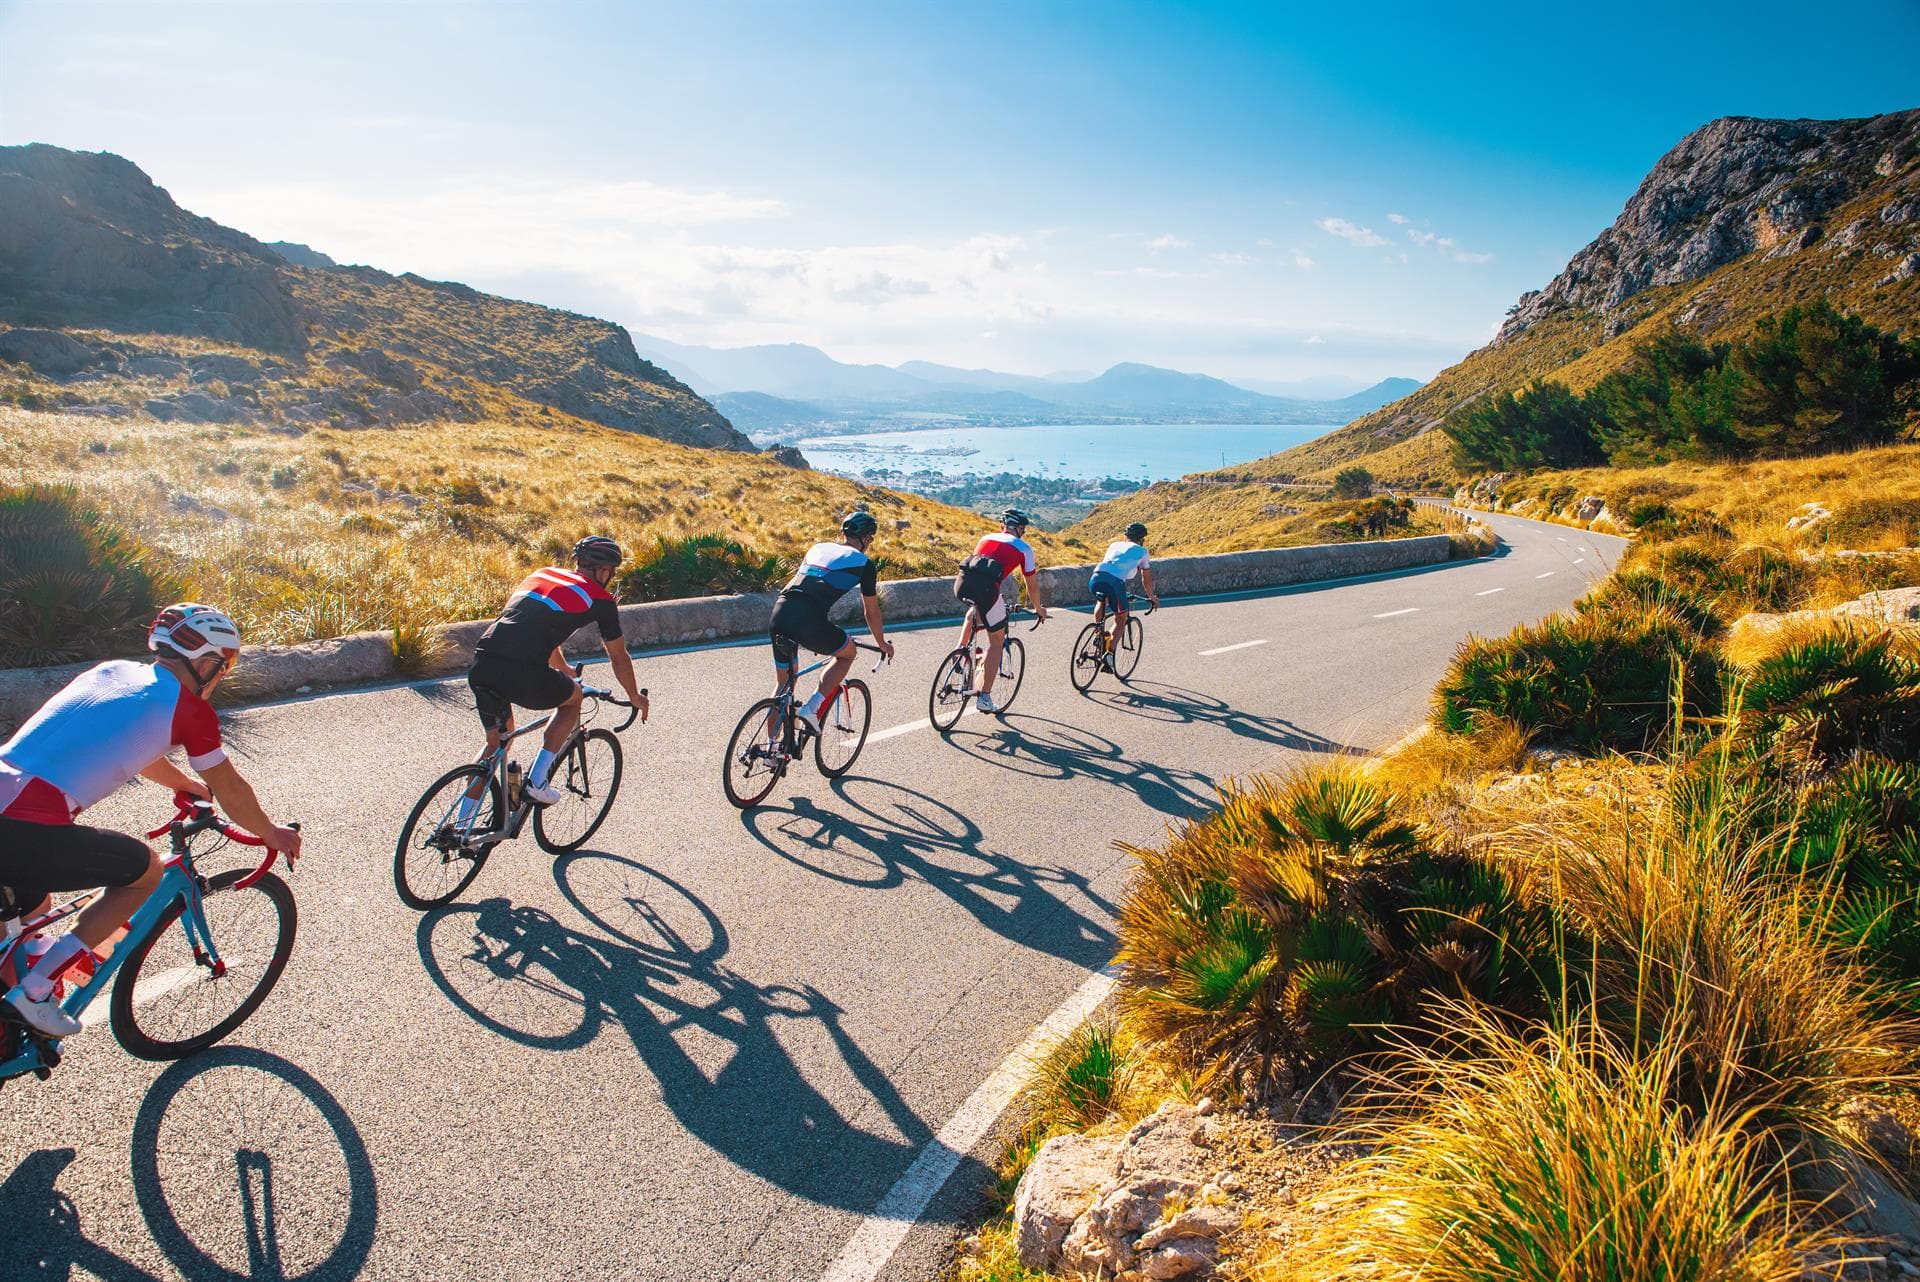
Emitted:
pixel 707 1045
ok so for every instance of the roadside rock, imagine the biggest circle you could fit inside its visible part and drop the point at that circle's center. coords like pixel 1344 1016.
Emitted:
pixel 1057 1189
pixel 49 352
pixel 1892 607
pixel 1810 516
pixel 1589 507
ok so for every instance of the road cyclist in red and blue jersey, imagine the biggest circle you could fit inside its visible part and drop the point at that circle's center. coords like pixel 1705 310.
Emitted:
pixel 1125 558
pixel 982 577
pixel 518 660
pixel 113 722
pixel 827 572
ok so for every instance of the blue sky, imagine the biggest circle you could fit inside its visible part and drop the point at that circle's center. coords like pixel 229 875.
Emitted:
pixel 1268 191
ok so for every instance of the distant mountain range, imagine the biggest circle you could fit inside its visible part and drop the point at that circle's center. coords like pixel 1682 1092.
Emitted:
pixel 775 387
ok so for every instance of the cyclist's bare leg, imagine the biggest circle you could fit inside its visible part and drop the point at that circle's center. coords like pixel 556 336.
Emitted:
pixel 836 672
pixel 565 718
pixel 969 625
pixel 103 919
pixel 996 639
pixel 478 787
pixel 782 682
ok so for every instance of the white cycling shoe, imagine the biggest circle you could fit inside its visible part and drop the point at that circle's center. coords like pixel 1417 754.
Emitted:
pixel 44 1017
pixel 540 794
pixel 986 704
pixel 811 720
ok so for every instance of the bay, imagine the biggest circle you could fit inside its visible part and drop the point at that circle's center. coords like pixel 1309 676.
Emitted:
pixel 1077 451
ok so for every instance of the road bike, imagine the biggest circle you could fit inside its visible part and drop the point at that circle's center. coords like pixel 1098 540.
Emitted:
pixel 1096 651
pixel 439 853
pixel 175 992
pixel 771 736
pixel 953 679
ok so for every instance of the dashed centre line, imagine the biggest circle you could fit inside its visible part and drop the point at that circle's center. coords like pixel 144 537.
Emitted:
pixel 1238 645
pixel 1547 575
pixel 894 732
pixel 1390 614
pixel 1579 560
pixel 1490 591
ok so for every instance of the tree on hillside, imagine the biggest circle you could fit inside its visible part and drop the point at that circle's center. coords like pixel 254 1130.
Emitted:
pixel 1813 379
pixel 1545 425
pixel 1657 407
pixel 1352 483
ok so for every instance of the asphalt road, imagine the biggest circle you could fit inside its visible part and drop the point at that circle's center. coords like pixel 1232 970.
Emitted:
pixel 706 1045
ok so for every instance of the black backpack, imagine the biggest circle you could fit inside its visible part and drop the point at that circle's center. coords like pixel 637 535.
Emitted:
pixel 978 581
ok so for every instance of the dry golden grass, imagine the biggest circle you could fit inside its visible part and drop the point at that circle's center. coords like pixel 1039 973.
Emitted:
pixel 332 531
pixel 1187 517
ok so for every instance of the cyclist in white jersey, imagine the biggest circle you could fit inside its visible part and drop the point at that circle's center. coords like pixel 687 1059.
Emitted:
pixel 1124 559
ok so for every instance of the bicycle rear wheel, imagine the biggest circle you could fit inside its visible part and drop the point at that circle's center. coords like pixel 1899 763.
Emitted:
pixel 1088 657
pixel 167 1002
pixel 588 776
pixel 1013 668
pixel 754 761
pixel 1126 654
pixel 948 697
pixel 434 860
pixel 844 732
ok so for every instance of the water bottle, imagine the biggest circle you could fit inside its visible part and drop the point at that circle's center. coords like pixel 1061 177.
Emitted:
pixel 513 785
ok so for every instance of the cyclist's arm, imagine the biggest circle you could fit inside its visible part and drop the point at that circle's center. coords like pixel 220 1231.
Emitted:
pixel 623 673
pixel 172 777
pixel 558 659
pixel 1032 580
pixel 870 606
pixel 235 796
pixel 1146 581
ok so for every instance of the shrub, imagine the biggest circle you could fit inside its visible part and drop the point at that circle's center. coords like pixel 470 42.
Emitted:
pixel 1081 1080
pixel 74 584
pixel 1353 483
pixel 1841 691
pixel 1281 933
pixel 1634 593
pixel 702 565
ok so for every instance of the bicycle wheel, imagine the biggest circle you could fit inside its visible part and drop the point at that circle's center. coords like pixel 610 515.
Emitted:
pixel 433 861
pixel 1013 667
pixel 167 1003
pixel 753 765
pixel 845 732
pixel 1087 659
pixel 588 776
pixel 948 697
pixel 1126 655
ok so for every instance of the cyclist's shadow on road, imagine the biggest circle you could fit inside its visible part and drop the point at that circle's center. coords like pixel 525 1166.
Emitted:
pixel 658 975
pixel 1043 748
pixel 1178 705
pixel 243 1167
pixel 886 835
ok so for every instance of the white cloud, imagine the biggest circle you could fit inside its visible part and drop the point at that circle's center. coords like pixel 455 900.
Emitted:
pixel 1302 262
pixel 1445 245
pixel 1232 259
pixel 1362 236
pixel 1314 340
pixel 1165 242
pixel 1264 243
pixel 1399 219
pixel 1463 256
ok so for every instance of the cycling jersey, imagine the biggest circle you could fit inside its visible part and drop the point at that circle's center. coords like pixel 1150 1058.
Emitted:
pixel 831 570
pixel 1009 553
pixel 109 723
pixel 1123 560
pixel 549 606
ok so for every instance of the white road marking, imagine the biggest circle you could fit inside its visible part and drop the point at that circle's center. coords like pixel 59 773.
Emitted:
pixel 894 732
pixel 1238 645
pixel 1547 575
pixel 151 988
pixel 1579 560
pixel 1562 538
pixel 1490 591
pixel 881 1233
pixel 1393 614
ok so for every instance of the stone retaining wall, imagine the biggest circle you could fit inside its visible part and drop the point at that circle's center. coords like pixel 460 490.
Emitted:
pixel 273 671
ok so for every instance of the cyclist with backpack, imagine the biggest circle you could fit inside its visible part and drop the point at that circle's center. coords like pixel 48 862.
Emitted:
pixel 980 584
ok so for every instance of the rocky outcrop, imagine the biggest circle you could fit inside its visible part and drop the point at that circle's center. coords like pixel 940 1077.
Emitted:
pixel 49 352
pixel 790 456
pixel 1730 188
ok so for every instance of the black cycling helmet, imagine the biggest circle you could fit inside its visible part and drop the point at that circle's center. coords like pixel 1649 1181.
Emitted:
pixel 1137 532
pixel 595 550
pixel 859 525
pixel 1016 518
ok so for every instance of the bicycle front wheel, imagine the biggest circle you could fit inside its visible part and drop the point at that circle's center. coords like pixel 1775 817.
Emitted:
pixel 1013 667
pixel 845 730
pixel 435 858
pixel 167 1002
pixel 1089 655
pixel 948 697
pixel 755 759
pixel 1126 654
pixel 588 776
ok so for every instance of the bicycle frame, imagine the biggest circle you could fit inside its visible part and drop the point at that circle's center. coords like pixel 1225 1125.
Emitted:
pixel 496 762
pixel 788 711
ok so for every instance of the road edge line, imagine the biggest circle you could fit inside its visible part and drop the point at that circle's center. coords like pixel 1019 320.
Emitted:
pixel 873 1244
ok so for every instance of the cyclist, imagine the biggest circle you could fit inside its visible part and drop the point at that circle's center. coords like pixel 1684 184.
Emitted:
pixel 518 659
pixel 828 572
pixel 980 584
pixel 1124 559
pixel 115 720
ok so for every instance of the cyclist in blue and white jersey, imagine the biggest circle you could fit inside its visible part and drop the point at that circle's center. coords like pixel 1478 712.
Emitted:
pixel 828 572
pixel 1124 559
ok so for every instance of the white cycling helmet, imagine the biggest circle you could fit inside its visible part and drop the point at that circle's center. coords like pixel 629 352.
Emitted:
pixel 194 632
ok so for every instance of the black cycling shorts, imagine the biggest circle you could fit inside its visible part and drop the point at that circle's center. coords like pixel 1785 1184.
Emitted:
pixel 798 622
pixel 38 859
pixel 499 684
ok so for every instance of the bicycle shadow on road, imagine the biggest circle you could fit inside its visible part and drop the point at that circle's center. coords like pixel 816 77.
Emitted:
pixel 246 1148
pixel 1171 704
pixel 1043 748
pixel 714 1041
pixel 896 834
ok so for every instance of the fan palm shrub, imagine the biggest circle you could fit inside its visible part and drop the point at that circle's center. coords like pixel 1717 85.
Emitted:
pixel 74 584
pixel 1844 690
pixel 700 565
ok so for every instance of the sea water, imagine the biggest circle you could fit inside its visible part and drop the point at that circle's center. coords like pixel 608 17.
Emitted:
pixel 1133 451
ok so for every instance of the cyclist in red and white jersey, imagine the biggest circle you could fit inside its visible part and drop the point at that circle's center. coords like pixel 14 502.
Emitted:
pixel 114 721
pixel 981 582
